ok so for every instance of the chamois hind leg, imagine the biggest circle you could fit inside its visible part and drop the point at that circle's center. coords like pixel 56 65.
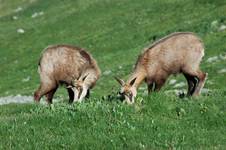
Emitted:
pixel 71 95
pixel 43 89
pixel 150 87
pixel 87 94
pixel 49 95
pixel 201 78
pixel 192 82
pixel 37 95
pixel 199 83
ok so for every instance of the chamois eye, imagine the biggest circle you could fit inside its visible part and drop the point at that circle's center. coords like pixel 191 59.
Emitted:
pixel 120 93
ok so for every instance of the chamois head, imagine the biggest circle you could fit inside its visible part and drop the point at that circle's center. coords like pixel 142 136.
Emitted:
pixel 79 87
pixel 128 90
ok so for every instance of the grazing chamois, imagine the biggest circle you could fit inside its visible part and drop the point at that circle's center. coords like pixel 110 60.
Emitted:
pixel 68 65
pixel 180 52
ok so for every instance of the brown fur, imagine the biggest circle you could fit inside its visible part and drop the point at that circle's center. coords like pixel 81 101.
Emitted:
pixel 62 64
pixel 179 52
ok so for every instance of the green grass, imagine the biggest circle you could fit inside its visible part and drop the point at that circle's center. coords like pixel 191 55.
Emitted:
pixel 115 32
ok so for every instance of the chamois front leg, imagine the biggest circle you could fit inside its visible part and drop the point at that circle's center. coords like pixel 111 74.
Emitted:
pixel 71 95
pixel 150 85
pixel 198 77
pixel 150 88
pixel 201 78
pixel 87 94
pixel 83 94
pixel 159 83
pixel 49 95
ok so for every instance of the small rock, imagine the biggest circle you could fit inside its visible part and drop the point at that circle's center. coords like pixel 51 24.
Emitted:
pixel 142 88
pixel 144 93
pixel 172 82
pixel 18 9
pixel 212 59
pixel 223 57
pixel 26 79
pixel 222 70
pixel 176 91
pixel 179 85
pixel 222 27
pixel 16 99
pixel 15 17
pixel 205 91
pixel 21 31
pixel 41 13
pixel 209 82
pixel 169 91
pixel 36 14
pixel 16 61
pixel 214 23
pixel 107 72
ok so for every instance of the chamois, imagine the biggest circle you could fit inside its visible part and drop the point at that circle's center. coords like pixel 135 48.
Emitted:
pixel 68 65
pixel 179 52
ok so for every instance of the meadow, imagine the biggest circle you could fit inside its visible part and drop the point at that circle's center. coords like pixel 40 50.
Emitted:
pixel 115 32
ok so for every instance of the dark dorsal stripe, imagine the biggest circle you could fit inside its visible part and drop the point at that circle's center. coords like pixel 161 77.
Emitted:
pixel 166 38
pixel 86 56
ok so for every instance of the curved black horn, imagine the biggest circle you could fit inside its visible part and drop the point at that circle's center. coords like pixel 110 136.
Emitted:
pixel 120 81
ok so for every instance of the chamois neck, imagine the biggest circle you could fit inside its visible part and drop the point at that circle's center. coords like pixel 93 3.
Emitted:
pixel 140 75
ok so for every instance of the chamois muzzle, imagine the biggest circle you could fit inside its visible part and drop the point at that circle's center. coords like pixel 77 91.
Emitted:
pixel 124 96
pixel 121 96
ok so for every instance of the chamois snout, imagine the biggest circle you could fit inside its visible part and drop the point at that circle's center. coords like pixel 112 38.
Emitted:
pixel 80 88
pixel 128 91
pixel 120 96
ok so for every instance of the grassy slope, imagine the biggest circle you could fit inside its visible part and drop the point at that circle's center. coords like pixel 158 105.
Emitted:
pixel 114 32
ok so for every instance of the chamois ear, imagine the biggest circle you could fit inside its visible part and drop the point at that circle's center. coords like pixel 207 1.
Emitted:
pixel 83 79
pixel 133 81
pixel 120 81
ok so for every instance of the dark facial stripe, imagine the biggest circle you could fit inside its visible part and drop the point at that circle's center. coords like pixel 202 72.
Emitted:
pixel 80 92
pixel 130 97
